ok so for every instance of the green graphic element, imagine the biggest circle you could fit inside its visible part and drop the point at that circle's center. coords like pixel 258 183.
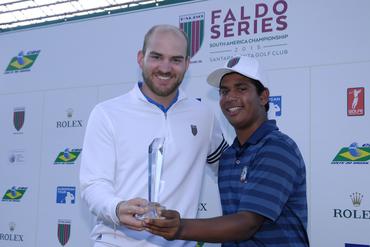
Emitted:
pixel 22 62
pixel 14 194
pixel 345 155
pixel 67 157
pixel 199 244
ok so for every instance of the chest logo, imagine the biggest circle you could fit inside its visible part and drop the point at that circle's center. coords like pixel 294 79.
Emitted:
pixel 243 175
pixel 194 130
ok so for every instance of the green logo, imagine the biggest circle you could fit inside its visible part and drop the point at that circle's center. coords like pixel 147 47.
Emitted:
pixel 22 62
pixel 199 244
pixel 353 155
pixel 67 156
pixel 14 194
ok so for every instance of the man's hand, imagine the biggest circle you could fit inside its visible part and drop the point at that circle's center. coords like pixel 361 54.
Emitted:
pixel 168 226
pixel 126 211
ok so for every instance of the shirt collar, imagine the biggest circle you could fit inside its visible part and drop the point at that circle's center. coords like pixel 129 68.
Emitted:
pixel 265 128
pixel 160 106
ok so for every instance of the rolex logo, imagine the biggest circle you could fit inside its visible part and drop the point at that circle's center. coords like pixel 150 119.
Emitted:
pixel 69 112
pixel 356 199
pixel 11 226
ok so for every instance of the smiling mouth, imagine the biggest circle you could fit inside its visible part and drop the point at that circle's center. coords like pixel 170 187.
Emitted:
pixel 233 109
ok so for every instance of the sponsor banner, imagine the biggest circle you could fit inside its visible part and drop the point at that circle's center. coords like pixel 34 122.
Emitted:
pixel 22 62
pixel 356 101
pixel 275 109
pixel 67 156
pixel 12 235
pixel 64 231
pixel 356 212
pixel 14 194
pixel 16 157
pixel 66 195
pixel 19 117
pixel 70 123
pixel 193 26
pixel 353 155
pixel 356 245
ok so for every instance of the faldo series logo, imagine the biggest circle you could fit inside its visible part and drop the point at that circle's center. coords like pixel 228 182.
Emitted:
pixel 22 62
pixel 193 26
pixel 67 156
pixel 254 29
pixel 14 194
pixel 64 231
pixel 356 211
pixel 19 116
pixel 353 155
pixel 12 235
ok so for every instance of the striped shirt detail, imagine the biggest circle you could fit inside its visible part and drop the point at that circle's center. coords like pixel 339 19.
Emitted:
pixel 215 156
pixel 274 186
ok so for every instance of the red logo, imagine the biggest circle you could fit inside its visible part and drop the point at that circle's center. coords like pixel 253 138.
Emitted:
pixel 356 101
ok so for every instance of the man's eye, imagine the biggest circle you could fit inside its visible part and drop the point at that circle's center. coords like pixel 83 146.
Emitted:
pixel 223 92
pixel 155 57
pixel 177 60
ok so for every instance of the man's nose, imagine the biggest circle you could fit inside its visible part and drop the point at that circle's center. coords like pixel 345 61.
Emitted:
pixel 165 66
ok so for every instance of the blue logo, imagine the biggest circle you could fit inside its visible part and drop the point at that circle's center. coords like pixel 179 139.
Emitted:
pixel 66 194
pixel 275 106
pixel 356 245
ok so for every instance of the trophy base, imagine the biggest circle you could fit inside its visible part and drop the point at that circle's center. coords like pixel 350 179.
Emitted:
pixel 152 211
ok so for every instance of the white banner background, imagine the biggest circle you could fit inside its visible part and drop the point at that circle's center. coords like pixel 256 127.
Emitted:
pixel 323 50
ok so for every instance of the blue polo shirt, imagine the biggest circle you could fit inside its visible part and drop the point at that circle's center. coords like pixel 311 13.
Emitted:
pixel 266 176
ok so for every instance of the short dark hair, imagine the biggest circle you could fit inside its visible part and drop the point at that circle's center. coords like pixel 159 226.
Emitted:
pixel 165 27
pixel 260 88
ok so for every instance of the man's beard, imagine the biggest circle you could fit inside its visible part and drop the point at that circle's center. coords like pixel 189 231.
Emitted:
pixel 159 92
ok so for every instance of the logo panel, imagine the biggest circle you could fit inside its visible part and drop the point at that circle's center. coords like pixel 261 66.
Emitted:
pixel 193 26
pixel 66 195
pixel 14 194
pixel 356 212
pixel 275 106
pixel 18 117
pixel 64 231
pixel 67 156
pixel 22 62
pixel 356 101
pixel 353 155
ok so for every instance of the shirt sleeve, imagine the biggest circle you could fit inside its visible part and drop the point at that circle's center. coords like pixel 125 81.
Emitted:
pixel 98 167
pixel 270 180
pixel 217 144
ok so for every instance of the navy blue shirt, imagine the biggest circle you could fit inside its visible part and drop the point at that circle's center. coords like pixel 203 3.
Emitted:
pixel 266 176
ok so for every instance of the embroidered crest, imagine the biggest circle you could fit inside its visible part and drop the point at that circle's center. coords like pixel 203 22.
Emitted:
pixel 243 175
pixel 232 62
pixel 64 231
pixel 194 130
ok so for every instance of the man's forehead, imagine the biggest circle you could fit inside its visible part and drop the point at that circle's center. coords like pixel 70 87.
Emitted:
pixel 235 79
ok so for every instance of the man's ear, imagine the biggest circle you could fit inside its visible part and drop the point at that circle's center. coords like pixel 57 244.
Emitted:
pixel 264 97
pixel 140 58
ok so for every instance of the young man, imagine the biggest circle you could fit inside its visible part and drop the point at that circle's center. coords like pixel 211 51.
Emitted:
pixel 114 166
pixel 262 178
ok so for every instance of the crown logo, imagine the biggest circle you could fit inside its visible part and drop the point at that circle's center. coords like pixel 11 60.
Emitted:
pixel 356 199
pixel 11 226
pixel 69 112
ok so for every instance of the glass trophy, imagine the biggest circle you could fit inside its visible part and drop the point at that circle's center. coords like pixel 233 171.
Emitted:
pixel 155 164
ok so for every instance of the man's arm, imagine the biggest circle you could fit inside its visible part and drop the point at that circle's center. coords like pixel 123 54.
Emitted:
pixel 234 227
pixel 97 175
